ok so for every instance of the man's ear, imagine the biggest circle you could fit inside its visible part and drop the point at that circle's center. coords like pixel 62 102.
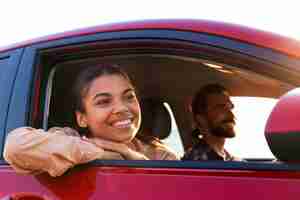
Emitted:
pixel 201 123
pixel 81 119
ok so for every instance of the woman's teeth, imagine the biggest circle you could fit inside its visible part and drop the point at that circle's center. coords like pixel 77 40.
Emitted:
pixel 123 124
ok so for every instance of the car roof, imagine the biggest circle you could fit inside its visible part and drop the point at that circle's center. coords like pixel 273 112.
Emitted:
pixel 261 38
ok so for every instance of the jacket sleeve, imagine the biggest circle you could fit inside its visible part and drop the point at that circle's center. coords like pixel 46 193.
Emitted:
pixel 169 156
pixel 30 150
pixel 166 154
pixel 163 152
pixel 157 151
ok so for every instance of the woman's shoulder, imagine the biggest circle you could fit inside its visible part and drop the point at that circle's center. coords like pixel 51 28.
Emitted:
pixel 155 150
pixel 64 130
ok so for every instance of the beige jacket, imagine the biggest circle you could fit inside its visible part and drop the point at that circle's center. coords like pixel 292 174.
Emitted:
pixel 32 151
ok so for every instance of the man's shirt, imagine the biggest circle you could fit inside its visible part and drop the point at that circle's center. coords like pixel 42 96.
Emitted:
pixel 202 151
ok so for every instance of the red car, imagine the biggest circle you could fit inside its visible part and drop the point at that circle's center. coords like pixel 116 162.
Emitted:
pixel 168 61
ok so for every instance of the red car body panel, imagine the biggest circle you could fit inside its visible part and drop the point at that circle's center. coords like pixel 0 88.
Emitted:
pixel 242 33
pixel 123 183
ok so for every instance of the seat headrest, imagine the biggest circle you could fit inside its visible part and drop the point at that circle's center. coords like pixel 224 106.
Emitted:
pixel 156 120
pixel 282 130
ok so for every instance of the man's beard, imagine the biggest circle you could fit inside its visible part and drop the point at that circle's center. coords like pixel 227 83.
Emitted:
pixel 224 129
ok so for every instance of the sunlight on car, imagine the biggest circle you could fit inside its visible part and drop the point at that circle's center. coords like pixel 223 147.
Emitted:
pixel 251 116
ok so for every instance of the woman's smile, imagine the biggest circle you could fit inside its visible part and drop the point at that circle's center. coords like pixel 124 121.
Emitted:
pixel 127 123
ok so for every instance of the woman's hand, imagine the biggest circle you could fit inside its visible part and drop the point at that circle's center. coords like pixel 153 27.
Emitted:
pixel 121 148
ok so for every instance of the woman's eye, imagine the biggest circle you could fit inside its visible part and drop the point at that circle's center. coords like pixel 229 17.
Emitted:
pixel 103 102
pixel 130 96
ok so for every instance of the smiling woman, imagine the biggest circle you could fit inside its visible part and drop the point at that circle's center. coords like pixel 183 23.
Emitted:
pixel 108 118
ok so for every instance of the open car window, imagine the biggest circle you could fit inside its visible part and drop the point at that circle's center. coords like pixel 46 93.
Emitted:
pixel 173 74
pixel 251 112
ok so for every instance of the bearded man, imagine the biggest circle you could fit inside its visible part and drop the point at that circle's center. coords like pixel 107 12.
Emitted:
pixel 215 121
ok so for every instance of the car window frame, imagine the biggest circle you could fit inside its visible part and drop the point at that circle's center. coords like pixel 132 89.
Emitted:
pixel 10 68
pixel 199 39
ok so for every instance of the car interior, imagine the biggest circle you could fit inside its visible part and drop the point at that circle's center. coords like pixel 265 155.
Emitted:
pixel 165 85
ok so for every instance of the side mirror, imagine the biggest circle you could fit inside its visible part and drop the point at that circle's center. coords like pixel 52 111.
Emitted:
pixel 282 130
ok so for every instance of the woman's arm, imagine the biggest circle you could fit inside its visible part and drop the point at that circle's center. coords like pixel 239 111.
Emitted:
pixel 142 151
pixel 30 150
pixel 121 148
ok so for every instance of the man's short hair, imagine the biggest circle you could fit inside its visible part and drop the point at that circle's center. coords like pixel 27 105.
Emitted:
pixel 199 102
